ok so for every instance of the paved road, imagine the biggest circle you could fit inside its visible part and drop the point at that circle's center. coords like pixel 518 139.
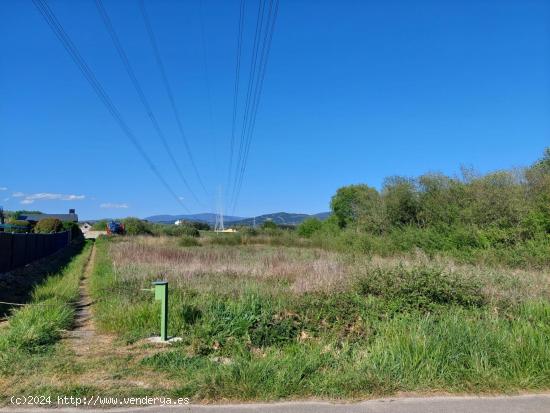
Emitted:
pixel 501 404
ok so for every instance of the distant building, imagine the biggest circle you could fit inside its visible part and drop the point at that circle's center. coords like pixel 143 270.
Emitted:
pixel 179 222
pixel 70 217
pixel 227 230
pixel 85 227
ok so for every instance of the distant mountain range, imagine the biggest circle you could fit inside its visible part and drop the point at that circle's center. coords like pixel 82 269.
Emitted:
pixel 208 217
pixel 283 218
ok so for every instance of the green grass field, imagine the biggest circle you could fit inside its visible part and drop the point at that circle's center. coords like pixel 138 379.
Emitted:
pixel 269 322
pixel 266 322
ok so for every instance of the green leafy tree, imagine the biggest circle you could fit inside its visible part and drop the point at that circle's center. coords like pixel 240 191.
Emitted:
pixel 496 199
pixel 538 191
pixel 48 226
pixel 401 200
pixel 358 204
pixel 441 200
pixel 17 214
pixel 309 226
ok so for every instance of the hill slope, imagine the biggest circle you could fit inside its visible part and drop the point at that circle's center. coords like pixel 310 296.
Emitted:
pixel 281 218
pixel 208 217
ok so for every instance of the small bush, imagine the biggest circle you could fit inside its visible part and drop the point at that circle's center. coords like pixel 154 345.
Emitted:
pixel 188 241
pixel 422 287
pixel 309 227
pixel 226 239
pixel 278 329
pixel 188 231
pixel 135 226
pixel 48 226
pixel 174 230
pixel 100 225
pixel 249 231
pixel 269 225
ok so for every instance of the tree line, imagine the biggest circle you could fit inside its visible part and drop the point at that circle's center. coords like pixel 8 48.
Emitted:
pixel 501 209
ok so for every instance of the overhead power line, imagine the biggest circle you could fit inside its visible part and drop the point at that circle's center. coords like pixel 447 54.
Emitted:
pixel 258 90
pixel 254 92
pixel 236 90
pixel 73 52
pixel 251 78
pixel 131 74
pixel 168 88
pixel 205 63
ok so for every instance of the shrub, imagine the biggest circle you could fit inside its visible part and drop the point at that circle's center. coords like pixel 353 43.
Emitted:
pixel 175 230
pixel 226 239
pixel 100 225
pixel 249 231
pixel 188 231
pixel 269 224
pixel 25 225
pixel 278 329
pixel 74 228
pixel 201 226
pixel 188 241
pixel 48 225
pixel 309 227
pixel 135 226
pixel 422 287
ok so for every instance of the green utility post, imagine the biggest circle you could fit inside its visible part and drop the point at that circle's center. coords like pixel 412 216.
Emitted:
pixel 161 294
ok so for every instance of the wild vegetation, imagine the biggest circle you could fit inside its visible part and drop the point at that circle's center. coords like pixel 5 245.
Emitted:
pixel 267 322
pixel 501 218
pixel 33 330
pixel 430 284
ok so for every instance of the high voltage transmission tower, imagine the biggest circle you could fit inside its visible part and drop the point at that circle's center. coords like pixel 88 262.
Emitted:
pixel 218 227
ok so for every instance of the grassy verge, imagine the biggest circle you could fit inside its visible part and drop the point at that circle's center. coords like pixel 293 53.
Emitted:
pixel 35 328
pixel 249 333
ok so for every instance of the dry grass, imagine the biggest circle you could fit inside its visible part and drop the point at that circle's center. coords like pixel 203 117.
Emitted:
pixel 302 269
pixel 298 269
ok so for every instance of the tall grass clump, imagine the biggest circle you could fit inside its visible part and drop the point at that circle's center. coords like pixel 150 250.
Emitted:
pixel 37 326
pixel 188 241
pixel 463 351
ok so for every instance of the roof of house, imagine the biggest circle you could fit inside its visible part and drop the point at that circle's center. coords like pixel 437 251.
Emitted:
pixel 38 217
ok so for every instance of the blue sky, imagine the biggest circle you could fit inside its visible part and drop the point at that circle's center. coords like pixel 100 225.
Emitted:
pixel 355 91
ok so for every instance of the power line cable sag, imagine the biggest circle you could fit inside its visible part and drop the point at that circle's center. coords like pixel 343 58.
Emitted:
pixel 73 52
pixel 265 55
pixel 257 32
pixel 255 101
pixel 160 64
pixel 258 88
pixel 236 91
pixel 208 91
pixel 131 74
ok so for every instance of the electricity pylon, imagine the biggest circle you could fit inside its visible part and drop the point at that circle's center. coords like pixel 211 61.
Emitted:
pixel 218 227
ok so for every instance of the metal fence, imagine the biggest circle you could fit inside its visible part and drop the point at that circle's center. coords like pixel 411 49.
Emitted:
pixel 17 250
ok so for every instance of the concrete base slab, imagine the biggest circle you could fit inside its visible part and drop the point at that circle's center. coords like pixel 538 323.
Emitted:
pixel 157 340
